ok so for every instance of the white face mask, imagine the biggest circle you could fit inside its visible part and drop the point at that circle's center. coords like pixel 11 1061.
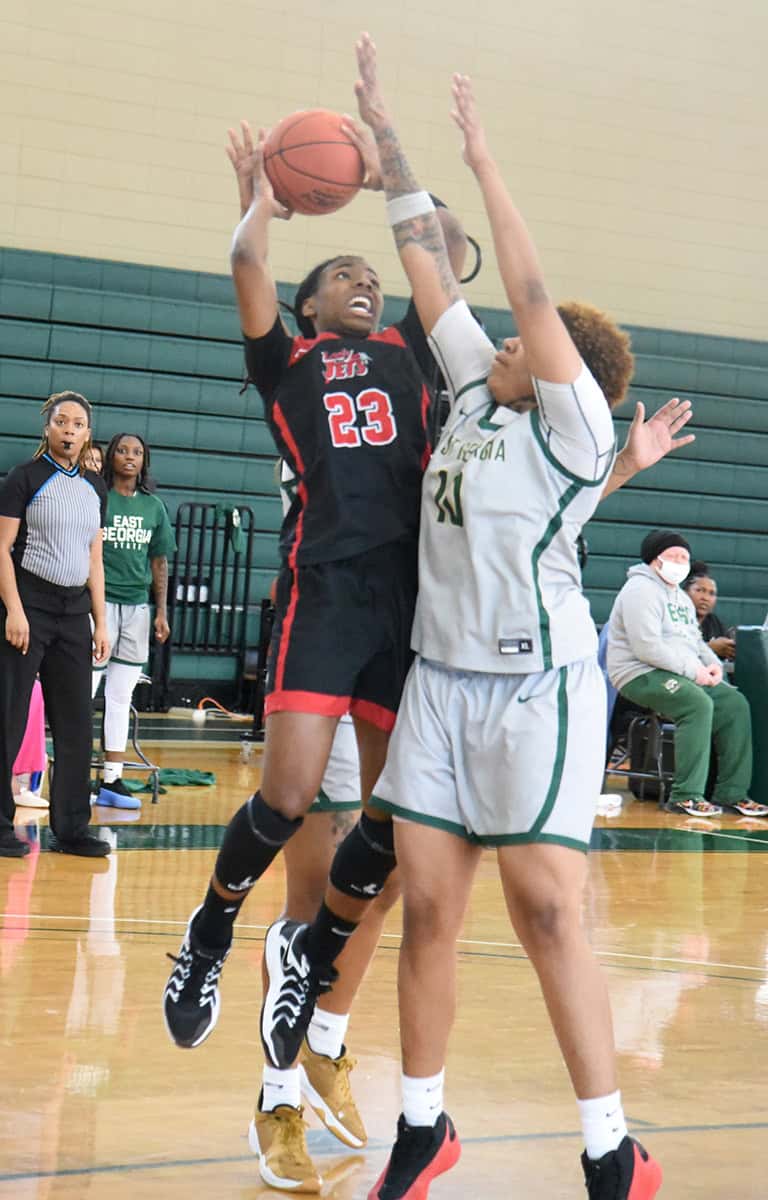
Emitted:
pixel 673 572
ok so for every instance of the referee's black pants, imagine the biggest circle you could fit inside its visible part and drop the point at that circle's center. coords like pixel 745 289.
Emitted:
pixel 60 651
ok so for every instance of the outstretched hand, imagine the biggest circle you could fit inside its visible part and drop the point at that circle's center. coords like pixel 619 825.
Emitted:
pixel 362 137
pixel 247 158
pixel 369 99
pixel 475 149
pixel 649 441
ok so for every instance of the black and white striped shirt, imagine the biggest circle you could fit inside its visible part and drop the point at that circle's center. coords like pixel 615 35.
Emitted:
pixel 60 513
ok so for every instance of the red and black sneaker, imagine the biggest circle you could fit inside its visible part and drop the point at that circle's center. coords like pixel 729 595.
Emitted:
pixel 420 1153
pixel 628 1173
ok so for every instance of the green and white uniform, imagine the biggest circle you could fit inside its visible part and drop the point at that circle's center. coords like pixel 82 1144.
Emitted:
pixel 137 530
pixel 500 736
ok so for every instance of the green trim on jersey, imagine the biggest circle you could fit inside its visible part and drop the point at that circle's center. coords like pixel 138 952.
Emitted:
pixel 323 803
pixel 557 766
pixel 486 422
pixel 549 533
pixel 473 383
pixel 535 426
pixel 489 840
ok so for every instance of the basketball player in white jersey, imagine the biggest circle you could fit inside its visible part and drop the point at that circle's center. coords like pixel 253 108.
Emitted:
pixel 499 739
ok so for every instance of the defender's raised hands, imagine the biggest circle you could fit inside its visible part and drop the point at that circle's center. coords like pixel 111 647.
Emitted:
pixel 369 98
pixel 465 113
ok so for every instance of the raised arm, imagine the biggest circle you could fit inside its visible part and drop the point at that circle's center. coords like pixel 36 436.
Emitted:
pixel 455 238
pixel 550 353
pixel 418 232
pixel 650 441
pixel 254 285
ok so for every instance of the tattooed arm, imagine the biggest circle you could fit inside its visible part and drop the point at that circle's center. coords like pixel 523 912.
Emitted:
pixel 159 567
pixel 419 240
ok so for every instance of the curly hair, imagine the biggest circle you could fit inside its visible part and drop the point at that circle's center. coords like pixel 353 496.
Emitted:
pixel 604 347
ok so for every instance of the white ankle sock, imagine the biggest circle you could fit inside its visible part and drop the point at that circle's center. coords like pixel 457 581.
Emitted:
pixel 112 771
pixel 602 1120
pixel 280 1087
pixel 423 1098
pixel 327 1031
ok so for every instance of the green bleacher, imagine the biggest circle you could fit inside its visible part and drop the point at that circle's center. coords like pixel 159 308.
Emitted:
pixel 157 351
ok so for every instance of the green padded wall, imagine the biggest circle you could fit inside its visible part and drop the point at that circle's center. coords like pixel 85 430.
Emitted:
pixel 157 351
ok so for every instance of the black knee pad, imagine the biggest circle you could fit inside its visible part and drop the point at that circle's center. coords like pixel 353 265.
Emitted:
pixel 255 835
pixel 365 859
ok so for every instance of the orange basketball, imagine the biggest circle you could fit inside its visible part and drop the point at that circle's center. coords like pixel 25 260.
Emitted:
pixel 312 166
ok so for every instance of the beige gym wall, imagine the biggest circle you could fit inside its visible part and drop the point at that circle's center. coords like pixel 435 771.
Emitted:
pixel 631 133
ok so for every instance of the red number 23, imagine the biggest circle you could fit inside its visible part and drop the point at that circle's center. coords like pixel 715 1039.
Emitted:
pixel 379 429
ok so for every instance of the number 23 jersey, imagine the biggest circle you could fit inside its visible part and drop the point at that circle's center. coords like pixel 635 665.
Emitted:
pixel 349 417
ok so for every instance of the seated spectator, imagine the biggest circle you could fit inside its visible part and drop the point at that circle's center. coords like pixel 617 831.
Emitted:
pixel 658 659
pixel 702 590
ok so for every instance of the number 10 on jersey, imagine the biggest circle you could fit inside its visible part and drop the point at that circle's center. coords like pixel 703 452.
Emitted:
pixel 448 498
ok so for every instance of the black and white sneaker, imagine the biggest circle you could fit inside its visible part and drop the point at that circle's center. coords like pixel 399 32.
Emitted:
pixel 191 1001
pixel 294 985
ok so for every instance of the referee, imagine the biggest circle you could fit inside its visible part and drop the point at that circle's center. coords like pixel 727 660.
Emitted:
pixel 52 510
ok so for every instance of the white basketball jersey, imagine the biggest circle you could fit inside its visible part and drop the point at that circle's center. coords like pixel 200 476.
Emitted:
pixel 504 498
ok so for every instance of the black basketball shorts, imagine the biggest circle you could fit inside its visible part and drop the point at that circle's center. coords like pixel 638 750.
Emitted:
pixel 342 633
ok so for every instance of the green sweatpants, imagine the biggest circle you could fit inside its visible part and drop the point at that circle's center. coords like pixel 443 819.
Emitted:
pixel 700 714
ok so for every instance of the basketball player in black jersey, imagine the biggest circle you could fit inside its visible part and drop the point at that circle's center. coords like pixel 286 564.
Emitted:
pixel 348 407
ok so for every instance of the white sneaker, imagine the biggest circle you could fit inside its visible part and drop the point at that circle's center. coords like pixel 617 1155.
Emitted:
pixel 28 799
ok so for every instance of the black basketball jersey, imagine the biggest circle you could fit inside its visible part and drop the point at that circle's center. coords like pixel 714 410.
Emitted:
pixel 349 416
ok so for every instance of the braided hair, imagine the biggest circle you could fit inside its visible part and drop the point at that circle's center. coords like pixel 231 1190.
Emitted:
pixel 143 481
pixel 307 288
pixel 47 411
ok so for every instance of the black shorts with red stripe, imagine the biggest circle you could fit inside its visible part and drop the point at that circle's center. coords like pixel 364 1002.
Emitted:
pixel 342 633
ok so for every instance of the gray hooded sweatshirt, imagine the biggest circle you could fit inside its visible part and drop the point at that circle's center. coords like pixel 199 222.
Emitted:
pixel 653 626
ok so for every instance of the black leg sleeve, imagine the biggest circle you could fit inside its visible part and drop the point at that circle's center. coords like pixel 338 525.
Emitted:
pixel 65 673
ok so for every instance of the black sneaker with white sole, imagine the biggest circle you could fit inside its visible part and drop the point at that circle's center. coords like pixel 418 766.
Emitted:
pixel 85 845
pixel 191 1000
pixel 294 984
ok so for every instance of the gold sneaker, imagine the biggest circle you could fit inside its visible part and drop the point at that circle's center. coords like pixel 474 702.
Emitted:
pixel 325 1087
pixel 278 1139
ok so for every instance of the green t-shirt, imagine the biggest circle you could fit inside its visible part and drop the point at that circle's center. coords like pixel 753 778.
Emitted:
pixel 137 530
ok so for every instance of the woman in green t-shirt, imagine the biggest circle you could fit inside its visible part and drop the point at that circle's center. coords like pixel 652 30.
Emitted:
pixel 137 541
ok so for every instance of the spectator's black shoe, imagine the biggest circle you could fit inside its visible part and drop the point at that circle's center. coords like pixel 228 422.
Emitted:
pixel 420 1153
pixel 191 1001
pixel 628 1173
pixel 294 985
pixel 85 845
pixel 11 846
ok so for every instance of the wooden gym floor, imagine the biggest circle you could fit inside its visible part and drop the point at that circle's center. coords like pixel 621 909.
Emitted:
pixel 96 1102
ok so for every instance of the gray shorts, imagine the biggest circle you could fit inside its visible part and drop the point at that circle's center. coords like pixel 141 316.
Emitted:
pixel 499 759
pixel 340 788
pixel 128 632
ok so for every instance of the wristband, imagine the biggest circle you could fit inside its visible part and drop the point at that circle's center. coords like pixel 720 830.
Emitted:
pixel 404 208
